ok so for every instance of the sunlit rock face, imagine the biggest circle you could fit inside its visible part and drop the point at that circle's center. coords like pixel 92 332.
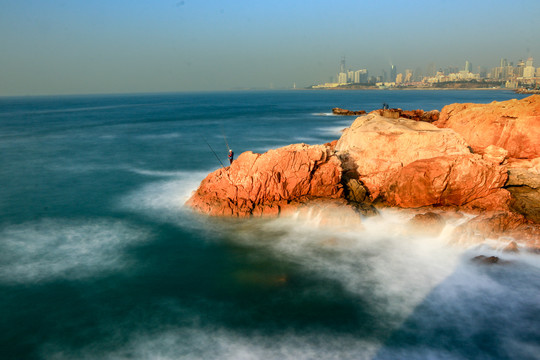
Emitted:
pixel 409 163
pixel 513 125
pixel 268 183
pixel 458 180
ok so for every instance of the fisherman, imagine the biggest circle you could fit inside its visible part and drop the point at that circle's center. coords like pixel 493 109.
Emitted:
pixel 231 156
pixel 385 106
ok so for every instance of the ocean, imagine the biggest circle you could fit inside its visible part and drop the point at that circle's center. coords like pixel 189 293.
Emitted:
pixel 99 259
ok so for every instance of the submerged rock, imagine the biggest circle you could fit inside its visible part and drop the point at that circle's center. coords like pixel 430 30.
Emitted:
pixel 428 223
pixel 488 260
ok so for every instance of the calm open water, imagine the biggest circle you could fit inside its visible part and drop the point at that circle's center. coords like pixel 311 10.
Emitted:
pixel 100 260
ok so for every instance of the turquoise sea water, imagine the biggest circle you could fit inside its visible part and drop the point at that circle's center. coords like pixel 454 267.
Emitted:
pixel 100 260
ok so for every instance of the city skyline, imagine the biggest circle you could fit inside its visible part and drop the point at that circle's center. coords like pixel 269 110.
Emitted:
pixel 121 46
pixel 503 71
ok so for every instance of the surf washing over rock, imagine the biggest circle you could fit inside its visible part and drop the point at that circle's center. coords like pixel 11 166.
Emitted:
pixel 475 159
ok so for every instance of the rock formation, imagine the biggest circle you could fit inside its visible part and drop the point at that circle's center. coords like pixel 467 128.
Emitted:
pixel 392 157
pixel 255 184
pixel 512 125
pixel 483 159
pixel 344 112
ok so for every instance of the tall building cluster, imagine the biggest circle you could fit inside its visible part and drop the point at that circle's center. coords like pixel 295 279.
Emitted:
pixel 345 77
pixel 522 74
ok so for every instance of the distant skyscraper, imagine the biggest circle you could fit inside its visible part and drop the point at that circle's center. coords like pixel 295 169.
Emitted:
pixel 468 66
pixel 504 63
pixel 529 70
pixel 342 65
pixel 408 75
pixel 342 78
pixel 361 76
pixel 393 73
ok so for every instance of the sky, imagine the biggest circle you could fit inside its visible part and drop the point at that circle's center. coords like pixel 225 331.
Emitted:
pixel 131 46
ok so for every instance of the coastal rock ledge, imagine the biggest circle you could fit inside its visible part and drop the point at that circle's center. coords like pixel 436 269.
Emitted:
pixel 480 159
pixel 257 184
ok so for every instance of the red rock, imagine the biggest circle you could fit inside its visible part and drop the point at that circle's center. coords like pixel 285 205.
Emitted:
pixel 458 180
pixel 495 154
pixel 266 184
pixel 376 148
pixel 513 125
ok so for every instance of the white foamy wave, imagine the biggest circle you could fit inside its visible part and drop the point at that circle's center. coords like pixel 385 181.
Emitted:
pixel 331 130
pixel 407 277
pixel 219 343
pixel 323 114
pixel 157 173
pixel 163 200
pixel 64 249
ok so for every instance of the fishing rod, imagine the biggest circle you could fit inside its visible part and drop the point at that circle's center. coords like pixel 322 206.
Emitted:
pixel 224 137
pixel 217 157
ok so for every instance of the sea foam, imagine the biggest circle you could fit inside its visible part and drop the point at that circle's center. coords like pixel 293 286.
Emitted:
pixel 51 249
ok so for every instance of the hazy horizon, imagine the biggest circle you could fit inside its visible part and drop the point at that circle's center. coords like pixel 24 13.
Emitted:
pixel 81 47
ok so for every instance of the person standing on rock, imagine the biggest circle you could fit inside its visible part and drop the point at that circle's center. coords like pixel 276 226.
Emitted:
pixel 231 156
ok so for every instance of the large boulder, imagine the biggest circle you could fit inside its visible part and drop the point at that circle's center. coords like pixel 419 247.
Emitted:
pixel 513 125
pixel 452 180
pixel 257 184
pixel 374 148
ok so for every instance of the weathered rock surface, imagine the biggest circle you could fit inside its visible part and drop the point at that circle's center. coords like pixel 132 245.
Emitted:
pixel 410 163
pixel 513 125
pixel 524 185
pixel 255 184
pixel 459 180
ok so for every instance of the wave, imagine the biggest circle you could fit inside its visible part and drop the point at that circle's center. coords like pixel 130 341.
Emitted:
pixel 52 249
pixel 323 114
pixel 162 200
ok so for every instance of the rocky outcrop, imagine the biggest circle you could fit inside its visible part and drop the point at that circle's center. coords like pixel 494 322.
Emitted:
pixel 258 184
pixel 418 115
pixel 401 162
pixel 513 125
pixel 344 112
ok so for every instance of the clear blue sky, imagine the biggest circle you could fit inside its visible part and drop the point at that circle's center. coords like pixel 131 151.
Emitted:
pixel 117 46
